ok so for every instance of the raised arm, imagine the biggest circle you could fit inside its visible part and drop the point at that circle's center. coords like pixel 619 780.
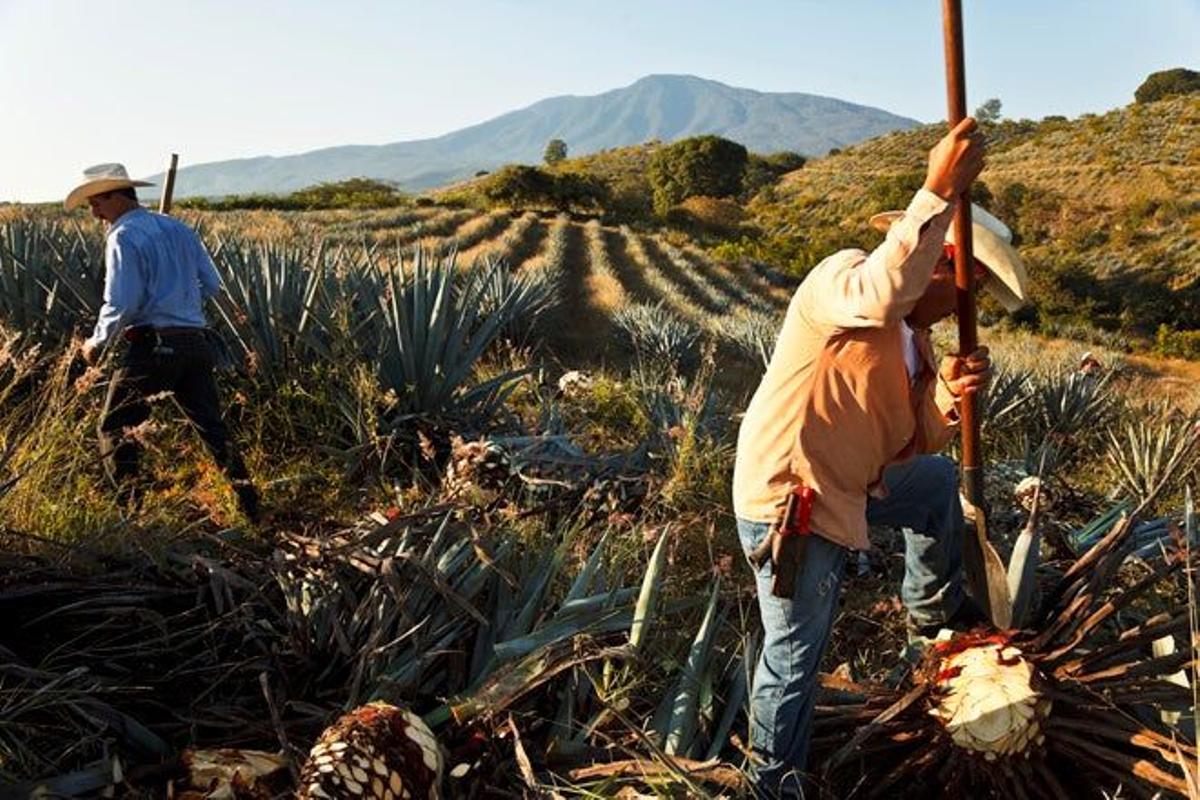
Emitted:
pixel 852 289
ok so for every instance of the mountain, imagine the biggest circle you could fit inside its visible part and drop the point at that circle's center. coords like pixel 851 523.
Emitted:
pixel 665 107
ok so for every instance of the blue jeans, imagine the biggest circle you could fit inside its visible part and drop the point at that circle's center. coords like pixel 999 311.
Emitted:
pixel 922 499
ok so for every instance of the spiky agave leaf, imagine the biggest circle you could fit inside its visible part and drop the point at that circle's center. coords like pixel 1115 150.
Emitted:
pixel 681 729
pixel 1023 564
pixel 644 611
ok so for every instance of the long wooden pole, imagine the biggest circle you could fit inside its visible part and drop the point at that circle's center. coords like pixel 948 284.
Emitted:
pixel 164 201
pixel 985 572
pixel 964 272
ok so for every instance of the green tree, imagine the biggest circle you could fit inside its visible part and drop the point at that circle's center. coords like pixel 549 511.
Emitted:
pixel 580 191
pixel 520 185
pixel 1167 83
pixel 989 112
pixel 763 171
pixel 556 151
pixel 701 165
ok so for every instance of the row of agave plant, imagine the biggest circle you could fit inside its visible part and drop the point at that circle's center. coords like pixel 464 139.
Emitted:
pixel 420 322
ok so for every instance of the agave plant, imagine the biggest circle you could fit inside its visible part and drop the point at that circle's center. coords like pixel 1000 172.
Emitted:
pixel 1153 452
pixel 270 306
pixel 753 334
pixel 435 327
pixel 1052 708
pixel 1072 402
pixel 51 279
pixel 523 297
pixel 656 335
pixel 1005 406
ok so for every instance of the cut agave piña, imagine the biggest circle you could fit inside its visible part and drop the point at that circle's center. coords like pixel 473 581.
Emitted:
pixel 377 751
pixel 1070 705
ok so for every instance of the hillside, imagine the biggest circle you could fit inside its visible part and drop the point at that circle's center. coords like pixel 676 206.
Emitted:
pixel 664 107
pixel 1106 210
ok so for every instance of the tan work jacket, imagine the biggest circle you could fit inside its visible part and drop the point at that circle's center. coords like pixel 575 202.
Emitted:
pixel 836 404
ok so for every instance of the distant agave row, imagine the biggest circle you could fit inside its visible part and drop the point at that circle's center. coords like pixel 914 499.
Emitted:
pixel 669 293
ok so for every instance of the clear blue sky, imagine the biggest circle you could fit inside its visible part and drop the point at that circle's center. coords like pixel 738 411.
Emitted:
pixel 84 82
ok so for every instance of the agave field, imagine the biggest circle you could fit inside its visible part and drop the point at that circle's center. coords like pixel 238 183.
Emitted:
pixel 499 559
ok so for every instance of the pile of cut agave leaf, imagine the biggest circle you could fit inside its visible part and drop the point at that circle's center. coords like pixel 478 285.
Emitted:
pixel 1080 696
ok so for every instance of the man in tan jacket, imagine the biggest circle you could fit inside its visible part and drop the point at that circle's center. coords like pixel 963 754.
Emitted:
pixel 851 406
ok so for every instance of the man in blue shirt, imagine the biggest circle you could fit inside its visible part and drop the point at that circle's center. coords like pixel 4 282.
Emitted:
pixel 157 277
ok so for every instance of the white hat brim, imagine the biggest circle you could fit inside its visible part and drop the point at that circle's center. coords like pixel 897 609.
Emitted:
pixel 91 188
pixel 1008 279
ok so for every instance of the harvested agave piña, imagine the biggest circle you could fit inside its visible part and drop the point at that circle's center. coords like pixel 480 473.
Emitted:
pixel 1070 705
pixel 985 696
pixel 377 751
pixel 482 464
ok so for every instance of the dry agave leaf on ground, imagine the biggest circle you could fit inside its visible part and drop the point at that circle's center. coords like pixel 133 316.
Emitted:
pixel 229 774
pixel 1069 705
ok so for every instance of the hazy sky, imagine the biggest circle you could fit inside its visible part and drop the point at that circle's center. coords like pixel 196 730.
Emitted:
pixel 85 82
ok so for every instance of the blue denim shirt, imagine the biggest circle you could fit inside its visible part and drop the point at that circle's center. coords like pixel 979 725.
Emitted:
pixel 156 272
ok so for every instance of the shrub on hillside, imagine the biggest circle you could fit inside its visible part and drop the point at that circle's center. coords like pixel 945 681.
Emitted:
pixel 763 171
pixel 521 186
pixel 580 191
pixel 708 215
pixel 556 150
pixel 892 192
pixel 1167 83
pixel 701 165
pixel 1171 343
pixel 356 193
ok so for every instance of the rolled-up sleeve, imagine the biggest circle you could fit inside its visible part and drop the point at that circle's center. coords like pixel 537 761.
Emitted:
pixel 124 288
pixel 852 289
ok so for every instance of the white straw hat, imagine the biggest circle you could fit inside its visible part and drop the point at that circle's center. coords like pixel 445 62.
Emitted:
pixel 991 244
pixel 100 179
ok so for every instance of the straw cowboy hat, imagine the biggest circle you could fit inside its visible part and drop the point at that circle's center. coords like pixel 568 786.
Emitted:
pixel 98 180
pixel 991 244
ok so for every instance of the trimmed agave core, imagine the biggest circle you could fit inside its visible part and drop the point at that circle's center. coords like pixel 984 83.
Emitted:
pixel 986 699
pixel 376 752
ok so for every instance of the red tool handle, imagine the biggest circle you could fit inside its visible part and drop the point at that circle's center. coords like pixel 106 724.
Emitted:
pixel 799 520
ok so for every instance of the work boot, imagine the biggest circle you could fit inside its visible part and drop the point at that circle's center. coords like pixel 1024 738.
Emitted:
pixel 968 615
pixel 248 500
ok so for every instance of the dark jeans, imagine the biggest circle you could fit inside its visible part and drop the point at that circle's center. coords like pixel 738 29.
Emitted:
pixel 923 500
pixel 183 368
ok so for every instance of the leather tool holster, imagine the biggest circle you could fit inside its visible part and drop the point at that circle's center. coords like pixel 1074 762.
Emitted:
pixel 786 541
